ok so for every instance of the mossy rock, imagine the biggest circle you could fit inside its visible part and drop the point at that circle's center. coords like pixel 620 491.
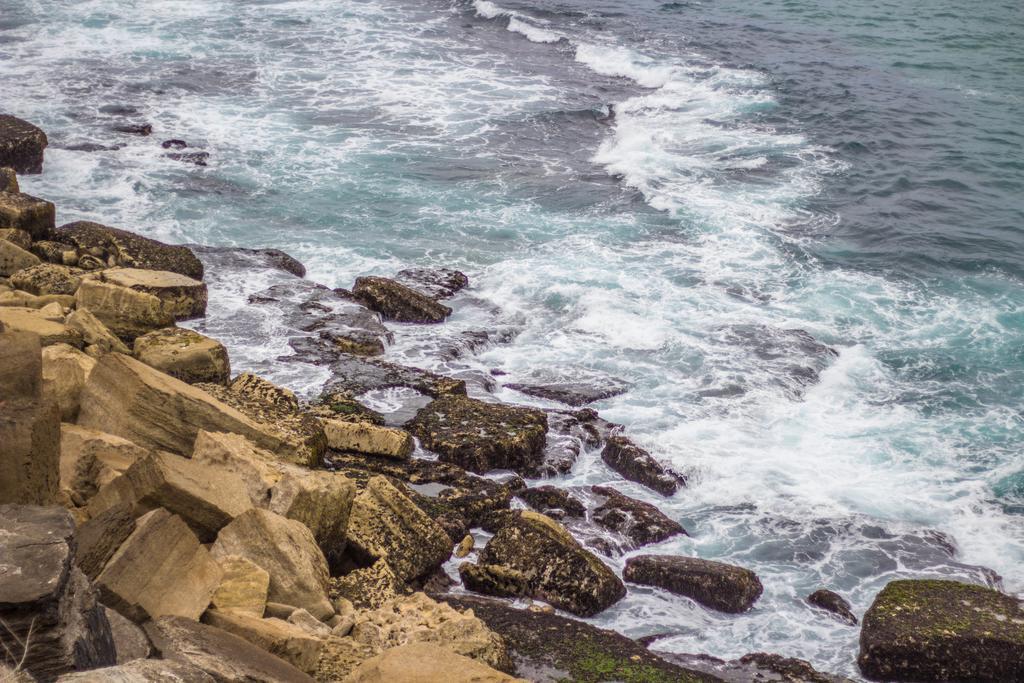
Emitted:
pixel 935 630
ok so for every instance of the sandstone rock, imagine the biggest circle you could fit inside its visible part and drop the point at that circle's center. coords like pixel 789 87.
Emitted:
pixel 125 312
pixel 142 671
pixel 185 354
pixel 257 468
pixel 65 371
pixel 21 373
pixel 385 524
pixel 640 522
pixel 395 301
pixel 145 406
pixel 465 546
pixel 29 451
pixel 18 298
pixel 560 571
pixel 636 464
pixel 129 250
pixel 243 586
pixel 55 252
pixel 8 180
pixel 47 278
pixel 716 585
pixel 436 283
pixel 287 550
pixel 100 537
pixel 310 624
pixel 130 641
pixel 44 600
pixel 25 212
pixel 362 437
pixel 834 603
pixel 206 498
pixel 19 237
pixel 90 459
pixel 14 259
pixel 425 663
pixel 21 145
pixel 279 638
pixel 94 332
pixel 224 656
pixel 182 296
pixel 929 630
pixel 482 436
pixel 160 569
pixel 52 311
pixel 31 320
pixel 368 587
pixel 548 499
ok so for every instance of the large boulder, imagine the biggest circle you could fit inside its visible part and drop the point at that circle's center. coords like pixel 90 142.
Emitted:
pixel 25 212
pixel 425 663
pixel 207 498
pixel 222 655
pixel 395 301
pixel 65 371
pixel 160 569
pixel 124 311
pixel 636 464
pixel 641 523
pixel 183 297
pixel 51 621
pixel 130 641
pixel 931 630
pixel 185 354
pixel 386 524
pixel 101 536
pixel 142 671
pixel 364 437
pixel 97 336
pixel 156 411
pixel 278 637
pixel 719 586
pixel 39 322
pixel 21 145
pixel 90 460
pixel 287 550
pixel 535 556
pixel 125 249
pixel 243 586
pixel 14 259
pixel 480 436
pixel 47 278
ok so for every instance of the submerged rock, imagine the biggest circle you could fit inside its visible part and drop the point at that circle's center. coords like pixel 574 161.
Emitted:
pixel 640 522
pixel 21 145
pixel 437 283
pixel 932 630
pixel 636 464
pixel 716 585
pixel 395 301
pixel 354 376
pixel 834 603
pixel 241 258
pixel 590 388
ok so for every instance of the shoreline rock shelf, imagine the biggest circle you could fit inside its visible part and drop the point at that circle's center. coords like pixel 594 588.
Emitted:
pixel 152 505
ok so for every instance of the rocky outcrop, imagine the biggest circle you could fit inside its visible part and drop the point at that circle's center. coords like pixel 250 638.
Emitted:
pixel 160 569
pixel 930 630
pixel 55 252
pixel 132 400
pixel 47 278
pixel 395 301
pixel 46 604
pixel 25 212
pixel 386 525
pixel 363 437
pixel 120 248
pixel 555 567
pixel 184 354
pixel 287 550
pixel 424 663
pixel 480 436
pixel 21 145
pixel 243 586
pixel 636 464
pixel 834 603
pixel 641 523
pixel 276 636
pixel 716 585
pixel 14 259
pixel 224 656
pixel 436 283
pixel 368 587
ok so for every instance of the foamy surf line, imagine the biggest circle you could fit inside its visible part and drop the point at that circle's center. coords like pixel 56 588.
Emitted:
pixel 517 22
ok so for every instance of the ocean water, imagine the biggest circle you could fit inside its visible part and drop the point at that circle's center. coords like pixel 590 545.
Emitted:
pixel 697 198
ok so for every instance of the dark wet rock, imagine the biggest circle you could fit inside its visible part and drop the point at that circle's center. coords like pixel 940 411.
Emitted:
pixel 569 433
pixel 223 655
pixel 640 522
pixel 196 158
pixel 834 603
pixel 482 436
pixel 339 325
pixel 90 147
pixel 395 301
pixel 932 630
pixel 354 376
pixel 436 283
pixel 758 667
pixel 143 129
pixel 21 145
pixel 556 568
pixel 128 250
pixel 548 648
pixel 794 358
pixel 241 258
pixel 464 344
pixel 174 144
pixel 552 501
pixel 715 585
pixel 346 409
pixel 45 600
pixel 636 464
pixel 119 109
pixel 570 392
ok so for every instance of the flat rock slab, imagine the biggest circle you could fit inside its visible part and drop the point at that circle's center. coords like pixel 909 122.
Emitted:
pixel 719 586
pixel 636 464
pixel 183 297
pixel 931 630
pixel 354 376
pixel 47 278
pixel 574 392
pixel 36 321
pixel 21 145
pixel 125 249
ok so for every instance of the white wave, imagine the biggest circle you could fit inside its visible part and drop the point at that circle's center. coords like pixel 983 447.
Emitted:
pixel 488 10
pixel 612 60
pixel 532 33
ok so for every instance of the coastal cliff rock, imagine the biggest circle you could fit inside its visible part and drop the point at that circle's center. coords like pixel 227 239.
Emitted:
pixel 636 464
pixel 184 354
pixel 931 630
pixel 97 336
pixel 120 248
pixel 21 145
pixel 126 312
pixel 181 296
pixel 719 586
pixel 395 301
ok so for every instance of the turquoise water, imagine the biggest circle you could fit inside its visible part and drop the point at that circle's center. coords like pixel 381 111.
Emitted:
pixel 660 192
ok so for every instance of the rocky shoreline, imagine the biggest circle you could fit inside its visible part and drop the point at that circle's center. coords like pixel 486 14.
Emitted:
pixel 164 518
